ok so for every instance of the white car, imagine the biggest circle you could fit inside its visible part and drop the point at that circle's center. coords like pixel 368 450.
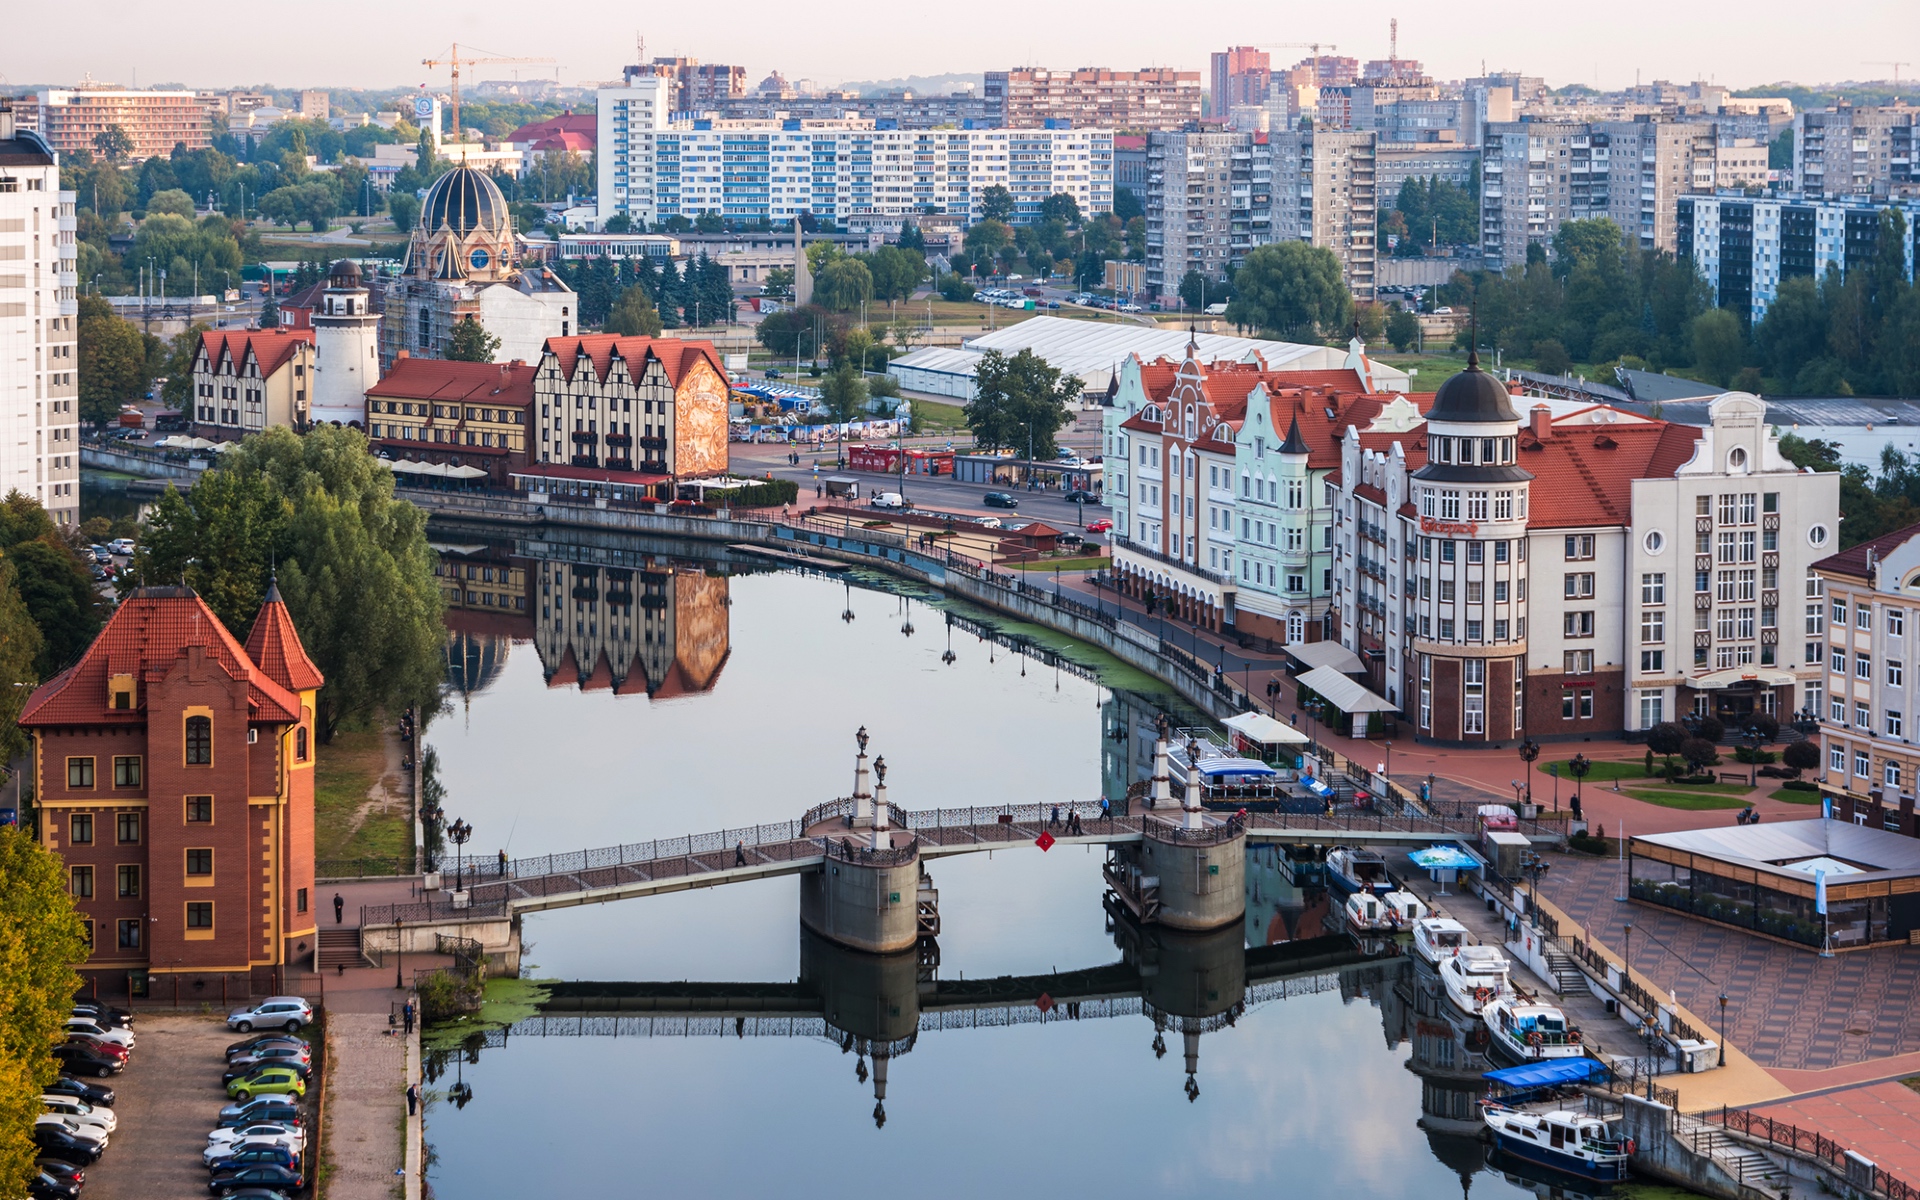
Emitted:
pixel 73 1128
pixel 116 1035
pixel 222 1142
pixel 80 1112
pixel 888 500
pixel 121 545
pixel 287 1012
pixel 988 522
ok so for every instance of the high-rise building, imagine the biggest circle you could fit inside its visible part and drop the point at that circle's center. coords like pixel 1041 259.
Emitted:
pixel 154 121
pixel 1209 200
pixel 1745 246
pixel 314 104
pixel 39 363
pixel 695 86
pixel 1325 185
pixel 1096 98
pixel 1848 151
pixel 1241 76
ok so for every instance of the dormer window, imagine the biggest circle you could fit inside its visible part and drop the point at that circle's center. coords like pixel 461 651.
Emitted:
pixel 120 692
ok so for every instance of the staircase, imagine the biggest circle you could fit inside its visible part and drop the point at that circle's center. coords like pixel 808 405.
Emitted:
pixel 1747 1167
pixel 339 947
pixel 1567 976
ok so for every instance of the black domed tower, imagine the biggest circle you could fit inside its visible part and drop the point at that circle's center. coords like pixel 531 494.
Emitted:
pixel 465 230
pixel 1467 664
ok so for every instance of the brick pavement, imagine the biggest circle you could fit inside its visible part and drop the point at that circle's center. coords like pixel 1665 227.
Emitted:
pixel 1787 1007
pixel 366 1107
pixel 1878 1120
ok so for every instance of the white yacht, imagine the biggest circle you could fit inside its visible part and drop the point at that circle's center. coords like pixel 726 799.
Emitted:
pixel 1368 913
pixel 1405 908
pixel 1475 977
pixel 1569 1142
pixel 1437 939
pixel 1529 1031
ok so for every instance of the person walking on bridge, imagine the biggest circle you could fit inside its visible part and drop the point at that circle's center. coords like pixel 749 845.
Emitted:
pixel 740 853
pixel 1106 810
pixel 503 864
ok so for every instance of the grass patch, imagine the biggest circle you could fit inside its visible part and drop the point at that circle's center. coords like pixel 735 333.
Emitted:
pixel 933 417
pixel 1634 771
pixel 1794 796
pixel 1087 563
pixel 343 772
pixel 1691 801
pixel 505 1001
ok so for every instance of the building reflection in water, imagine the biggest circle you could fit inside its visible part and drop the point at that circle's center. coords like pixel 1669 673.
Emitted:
pixel 648 625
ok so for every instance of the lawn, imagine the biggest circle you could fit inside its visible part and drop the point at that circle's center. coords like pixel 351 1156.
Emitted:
pixel 933 417
pixel 1633 771
pixel 1432 369
pixel 1794 796
pixel 1692 801
pixel 1092 562
pixel 348 823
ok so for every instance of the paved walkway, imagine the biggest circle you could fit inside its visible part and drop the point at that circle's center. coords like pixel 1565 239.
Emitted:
pixel 366 1107
pixel 1878 1120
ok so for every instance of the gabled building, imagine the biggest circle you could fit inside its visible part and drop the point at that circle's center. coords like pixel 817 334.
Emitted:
pixel 435 410
pixel 247 380
pixel 173 775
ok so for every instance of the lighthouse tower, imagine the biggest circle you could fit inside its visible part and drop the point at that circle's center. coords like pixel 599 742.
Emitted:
pixel 346 337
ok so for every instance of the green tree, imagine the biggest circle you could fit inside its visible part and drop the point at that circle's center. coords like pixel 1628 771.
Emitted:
pixel 1019 403
pixel 113 143
pixel 1717 344
pixel 354 564
pixel 634 315
pixel 996 204
pixel 20 644
pixel 404 209
pixel 1126 205
pixel 40 939
pixel 1292 290
pixel 113 361
pixel 779 283
pixel 1550 356
pixel 844 392
pixel 472 342
pixel 182 349
pixel 269 308
pixel 1403 330
pixel 174 201
pixel 895 272
pixel 1780 151
pixel 843 284
pixel 1060 207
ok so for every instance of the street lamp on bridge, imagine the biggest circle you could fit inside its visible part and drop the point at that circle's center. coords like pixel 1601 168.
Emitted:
pixel 459 832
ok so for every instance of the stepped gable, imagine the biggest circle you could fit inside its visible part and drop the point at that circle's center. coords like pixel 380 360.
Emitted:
pixel 675 355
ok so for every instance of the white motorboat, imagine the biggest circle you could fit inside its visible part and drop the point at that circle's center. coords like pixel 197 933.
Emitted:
pixel 1357 869
pixel 1405 908
pixel 1529 1031
pixel 1437 939
pixel 1572 1143
pixel 1475 977
pixel 1368 913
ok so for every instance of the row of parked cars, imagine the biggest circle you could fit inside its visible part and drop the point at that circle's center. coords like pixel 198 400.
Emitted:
pixel 76 1121
pixel 257 1149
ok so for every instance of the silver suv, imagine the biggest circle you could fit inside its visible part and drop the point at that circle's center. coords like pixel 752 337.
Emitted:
pixel 287 1012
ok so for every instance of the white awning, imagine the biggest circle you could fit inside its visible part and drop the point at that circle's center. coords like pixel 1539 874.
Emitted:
pixel 1326 654
pixel 1343 693
pixel 1264 730
pixel 1764 676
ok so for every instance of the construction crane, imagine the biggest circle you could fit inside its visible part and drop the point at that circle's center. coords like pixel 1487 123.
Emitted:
pixel 1887 62
pixel 1313 46
pixel 454 61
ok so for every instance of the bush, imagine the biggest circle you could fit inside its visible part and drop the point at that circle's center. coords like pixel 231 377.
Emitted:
pixel 1695 780
pixel 1743 754
pixel 1800 785
pixel 1666 738
pixel 1803 754
pixel 1586 843
pixel 1711 729
pixel 758 495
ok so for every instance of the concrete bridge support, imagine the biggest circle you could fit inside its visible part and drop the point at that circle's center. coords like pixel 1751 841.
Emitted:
pixel 1202 886
pixel 865 905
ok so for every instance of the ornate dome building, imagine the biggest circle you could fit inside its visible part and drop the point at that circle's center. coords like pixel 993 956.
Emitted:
pixel 465 230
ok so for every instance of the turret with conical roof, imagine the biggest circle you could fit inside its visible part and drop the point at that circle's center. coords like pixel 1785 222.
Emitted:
pixel 274 646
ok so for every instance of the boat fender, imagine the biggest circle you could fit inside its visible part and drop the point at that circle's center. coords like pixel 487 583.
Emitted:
pixel 1629 1147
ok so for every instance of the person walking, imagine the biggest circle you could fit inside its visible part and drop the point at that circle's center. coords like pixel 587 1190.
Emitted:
pixel 1106 810
pixel 339 907
pixel 406 1017
pixel 413 1099
pixel 740 853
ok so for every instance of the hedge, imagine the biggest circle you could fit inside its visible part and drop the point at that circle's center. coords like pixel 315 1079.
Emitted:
pixel 764 494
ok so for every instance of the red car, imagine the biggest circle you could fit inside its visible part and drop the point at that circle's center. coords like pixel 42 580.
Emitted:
pixel 1101 526
pixel 102 1047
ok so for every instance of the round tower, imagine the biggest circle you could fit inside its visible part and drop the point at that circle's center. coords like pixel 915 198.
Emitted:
pixel 346 339
pixel 1467 674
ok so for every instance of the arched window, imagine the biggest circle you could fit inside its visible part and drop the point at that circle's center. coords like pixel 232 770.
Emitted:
pixel 300 744
pixel 199 741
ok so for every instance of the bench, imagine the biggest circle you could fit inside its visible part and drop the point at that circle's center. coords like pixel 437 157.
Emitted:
pixel 1733 777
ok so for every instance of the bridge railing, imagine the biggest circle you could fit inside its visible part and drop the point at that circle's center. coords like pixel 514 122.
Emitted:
pixel 430 910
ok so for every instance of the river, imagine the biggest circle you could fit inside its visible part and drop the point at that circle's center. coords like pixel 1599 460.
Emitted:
pixel 731 697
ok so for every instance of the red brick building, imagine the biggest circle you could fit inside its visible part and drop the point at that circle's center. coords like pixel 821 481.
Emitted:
pixel 173 771
pixel 456 414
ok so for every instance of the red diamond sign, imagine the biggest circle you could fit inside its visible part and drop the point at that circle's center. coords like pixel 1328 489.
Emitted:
pixel 1044 1003
pixel 1044 841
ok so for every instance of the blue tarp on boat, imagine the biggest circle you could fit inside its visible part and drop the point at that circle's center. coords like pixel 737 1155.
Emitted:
pixel 1549 1074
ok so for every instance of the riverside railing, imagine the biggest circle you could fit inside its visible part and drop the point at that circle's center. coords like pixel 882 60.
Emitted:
pixel 1809 1142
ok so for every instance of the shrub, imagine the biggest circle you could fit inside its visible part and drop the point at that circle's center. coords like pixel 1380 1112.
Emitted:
pixel 1745 755
pixel 1586 843
pixel 764 494
pixel 1803 754
pixel 1800 785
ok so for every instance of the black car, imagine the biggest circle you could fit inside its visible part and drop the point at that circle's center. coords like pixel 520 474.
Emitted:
pixel 257 1193
pixel 277 1109
pixel 45 1186
pixel 243 1065
pixel 92 1093
pixel 51 1141
pixel 259 1175
pixel 1000 500
pixel 1082 496
pixel 267 1039
pixel 79 1059
pixel 61 1170
pixel 102 1015
pixel 249 1154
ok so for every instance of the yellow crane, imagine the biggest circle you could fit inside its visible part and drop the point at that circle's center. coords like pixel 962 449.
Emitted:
pixel 454 62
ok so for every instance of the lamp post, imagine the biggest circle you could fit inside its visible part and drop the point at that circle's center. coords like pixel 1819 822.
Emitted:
pixel 1755 738
pixel 1578 768
pixel 1530 750
pixel 459 832
pixel 400 949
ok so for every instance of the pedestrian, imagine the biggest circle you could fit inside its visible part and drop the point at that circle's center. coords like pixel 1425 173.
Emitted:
pixel 1055 822
pixel 413 1099
pixel 1106 810
pixel 503 864
pixel 1576 806
pixel 406 1017
pixel 339 907
pixel 740 853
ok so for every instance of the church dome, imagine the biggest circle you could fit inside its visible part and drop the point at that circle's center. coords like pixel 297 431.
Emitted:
pixel 464 200
pixel 1473 397
pixel 344 274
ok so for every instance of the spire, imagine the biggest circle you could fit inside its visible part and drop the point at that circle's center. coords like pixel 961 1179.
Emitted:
pixel 1193 338
pixel 274 645
pixel 1295 444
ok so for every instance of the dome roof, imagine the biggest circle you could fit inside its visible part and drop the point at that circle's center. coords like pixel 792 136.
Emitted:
pixel 464 200
pixel 344 274
pixel 1472 397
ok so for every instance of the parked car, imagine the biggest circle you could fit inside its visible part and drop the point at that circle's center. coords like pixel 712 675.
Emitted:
pixel 80 1112
pixel 61 1169
pixel 267 1081
pixel 56 1141
pixel 222 1142
pixel 93 1093
pixel 112 1049
pixel 85 1060
pixel 72 1128
pixel 247 1045
pixel 772 373
pixel 115 1035
pixel 1101 526
pixel 258 1175
pixel 288 1012
pixel 257 1193
pixel 121 545
pixel 248 1154
pixel 1082 496
pixel 103 1015
pixel 275 1109
pixel 1069 540
pixel 889 500
pixel 1000 500
pixel 240 1066
pixel 47 1186
pixel 988 522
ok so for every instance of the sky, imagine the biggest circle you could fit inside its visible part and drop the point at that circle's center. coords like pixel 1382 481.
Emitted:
pixel 364 44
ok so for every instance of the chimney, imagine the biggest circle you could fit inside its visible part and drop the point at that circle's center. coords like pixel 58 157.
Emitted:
pixel 1542 422
pixel 401 355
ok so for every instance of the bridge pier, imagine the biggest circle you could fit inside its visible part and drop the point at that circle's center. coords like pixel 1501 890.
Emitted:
pixel 1183 873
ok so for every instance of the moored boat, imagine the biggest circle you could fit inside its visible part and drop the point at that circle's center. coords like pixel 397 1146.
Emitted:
pixel 1357 869
pixel 1529 1031
pixel 1437 939
pixel 1529 1118
pixel 1368 913
pixel 1404 908
pixel 1475 977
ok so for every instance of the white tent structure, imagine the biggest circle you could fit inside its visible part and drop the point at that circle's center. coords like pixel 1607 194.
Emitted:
pixel 1343 693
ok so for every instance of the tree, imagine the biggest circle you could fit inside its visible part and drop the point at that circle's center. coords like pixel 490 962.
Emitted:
pixel 1291 289
pixel 996 204
pixel 896 272
pixel 404 208
pixel 472 342
pixel 182 349
pixel 1126 205
pixel 174 201
pixel 1717 344
pixel 1403 330
pixel 1699 753
pixel 113 143
pixel 1019 403
pixel 634 315
pixel 40 939
pixel 844 391
pixel 1193 291
pixel 353 563
pixel 20 644
pixel 1370 322
pixel 1666 738
pixel 1060 207
pixel 51 581
pixel 269 308
pixel 843 284
pixel 113 361
pixel 1803 755
pixel 1550 356
pixel 779 283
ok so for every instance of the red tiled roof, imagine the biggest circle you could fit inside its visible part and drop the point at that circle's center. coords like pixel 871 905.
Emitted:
pixel 581 124
pixel 1371 494
pixel 566 672
pixel 150 630
pixel 271 348
pixel 1853 560
pixel 601 678
pixel 1583 474
pixel 457 382
pixel 674 354
pixel 577 142
pixel 275 646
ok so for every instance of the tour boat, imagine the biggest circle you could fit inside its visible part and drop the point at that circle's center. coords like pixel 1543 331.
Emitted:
pixel 1474 977
pixel 1437 939
pixel 1529 1031
pixel 1405 908
pixel 1572 1143
pixel 1368 913
pixel 1355 869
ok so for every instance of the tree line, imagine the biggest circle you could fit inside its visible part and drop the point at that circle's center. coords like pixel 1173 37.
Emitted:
pixel 636 297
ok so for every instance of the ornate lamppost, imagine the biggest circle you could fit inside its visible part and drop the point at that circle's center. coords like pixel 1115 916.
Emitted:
pixel 1530 750
pixel 459 832
pixel 1578 768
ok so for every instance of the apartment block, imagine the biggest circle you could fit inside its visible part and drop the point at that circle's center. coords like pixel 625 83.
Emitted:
pixel 1326 192
pixel 157 121
pixel 1209 199
pixel 1745 245
pixel 1096 98
pixel 1859 603
pixel 1396 162
pixel 1242 75
pixel 1850 151
pixel 39 364
pixel 693 86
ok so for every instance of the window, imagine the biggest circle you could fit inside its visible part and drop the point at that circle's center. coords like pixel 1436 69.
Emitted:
pixel 1702 542
pixel 1503 506
pixel 1702 581
pixel 1475 592
pixel 80 829
pixel 1500 630
pixel 199 810
pixel 1863 666
pixel 1839 612
pixel 1578 586
pixel 129 934
pixel 1476 552
pixel 1446 629
pixel 1839 660
pixel 1863 716
pixel 1446 550
pixel 1837 759
pixel 1653 625
pixel 127 828
pixel 80 883
pixel 1474 717
pixel 1446 590
pixel 200 915
pixel 1653 661
pixel 1450 506
pixel 1896 622
pixel 1473 631
pixel 1653 589
pixel 128 877
pixel 126 770
pixel 1725 515
pixel 1861 765
pixel 199 741
pixel 1894 724
pixel 1500 589
pixel 1577 624
pixel 1746 586
pixel 1577 662
pixel 1579 545
pixel 1726 543
pixel 300 900
pixel 1863 617
pixel 1745 623
pixel 1576 703
pixel 1476 506
pixel 1837 712
pixel 80 772
pixel 1426 692
pixel 1500 551
pixel 1890 774
pixel 1895 673
pixel 1813 621
pixel 200 862
pixel 1652 709
pixel 1747 507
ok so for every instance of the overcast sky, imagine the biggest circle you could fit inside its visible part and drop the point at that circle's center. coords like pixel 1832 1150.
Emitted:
pixel 360 43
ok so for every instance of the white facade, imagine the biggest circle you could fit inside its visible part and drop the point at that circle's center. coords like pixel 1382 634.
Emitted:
pixel 524 320
pixel 39 363
pixel 346 339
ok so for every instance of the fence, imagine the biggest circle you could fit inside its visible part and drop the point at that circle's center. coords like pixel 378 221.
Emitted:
pixel 325 869
pixel 432 909
pixel 1808 1142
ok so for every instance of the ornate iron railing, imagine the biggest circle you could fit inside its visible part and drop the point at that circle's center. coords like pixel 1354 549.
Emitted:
pixel 1809 1142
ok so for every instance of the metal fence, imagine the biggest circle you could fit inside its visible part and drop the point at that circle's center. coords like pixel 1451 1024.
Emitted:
pixel 1809 1142
pixel 432 909
pixel 358 868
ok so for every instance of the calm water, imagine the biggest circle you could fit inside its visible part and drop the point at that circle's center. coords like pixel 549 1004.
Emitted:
pixel 741 709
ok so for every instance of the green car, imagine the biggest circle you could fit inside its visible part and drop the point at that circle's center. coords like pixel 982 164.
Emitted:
pixel 267 1080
